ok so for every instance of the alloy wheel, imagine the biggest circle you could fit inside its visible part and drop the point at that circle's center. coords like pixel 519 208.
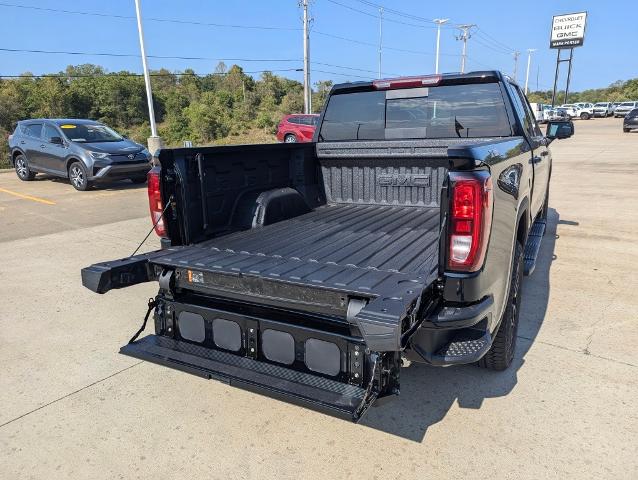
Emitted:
pixel 21 167
pixel 77 176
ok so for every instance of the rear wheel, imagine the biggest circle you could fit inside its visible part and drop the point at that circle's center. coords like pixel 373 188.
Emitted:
pixel 584 116
pixel 78 176
pixel 501 353
pixel 626 130
pixel 22 168
pixel 290 138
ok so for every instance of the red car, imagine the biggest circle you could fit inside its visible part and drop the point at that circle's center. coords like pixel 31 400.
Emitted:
pixel 297 128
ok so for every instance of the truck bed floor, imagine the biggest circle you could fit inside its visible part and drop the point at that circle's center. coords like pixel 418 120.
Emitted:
pixel 340 245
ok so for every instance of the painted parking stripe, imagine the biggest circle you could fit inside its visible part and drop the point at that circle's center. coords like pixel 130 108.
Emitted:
pixel 27 197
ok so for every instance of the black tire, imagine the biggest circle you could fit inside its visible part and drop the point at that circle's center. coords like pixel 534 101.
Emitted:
pixel 22 168
pixel 290 138
pixel 138 179
pixel 501 353
pixel 626 130
pixel 78 176
pixel 584 116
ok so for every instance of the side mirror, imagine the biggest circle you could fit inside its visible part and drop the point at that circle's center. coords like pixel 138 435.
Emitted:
pixel 56 140
pixel 557 129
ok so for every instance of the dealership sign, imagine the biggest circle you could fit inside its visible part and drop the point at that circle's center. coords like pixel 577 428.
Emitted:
pixel 568 31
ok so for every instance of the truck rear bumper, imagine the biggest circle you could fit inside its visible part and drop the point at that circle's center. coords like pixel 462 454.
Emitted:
pixel 454 335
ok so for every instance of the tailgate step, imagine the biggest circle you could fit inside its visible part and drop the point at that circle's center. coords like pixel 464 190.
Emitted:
pixel 316 392
pixel 533 246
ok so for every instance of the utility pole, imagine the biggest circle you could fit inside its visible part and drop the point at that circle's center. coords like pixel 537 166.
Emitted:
pixel 380 37
pixel 154 142
pixel 529 61
pixel 516 55
pixel 464 36
pixel 307 92
pixel 439 22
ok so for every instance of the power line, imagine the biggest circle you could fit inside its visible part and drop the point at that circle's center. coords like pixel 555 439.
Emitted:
pixel 385 47
pixel 342 74
pixel 396 12
pixel 134 55
pixel 493 40
pixel 376 16
pixel 147 19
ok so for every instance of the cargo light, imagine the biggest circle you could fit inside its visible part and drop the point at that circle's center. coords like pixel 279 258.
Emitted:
pixel 406 82
pixel 470 220
pixel 155 201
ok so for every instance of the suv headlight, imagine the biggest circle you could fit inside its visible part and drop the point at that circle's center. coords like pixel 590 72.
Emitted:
pixel 98 154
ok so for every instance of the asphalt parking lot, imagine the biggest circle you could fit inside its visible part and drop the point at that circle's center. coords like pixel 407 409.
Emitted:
pixel 72 407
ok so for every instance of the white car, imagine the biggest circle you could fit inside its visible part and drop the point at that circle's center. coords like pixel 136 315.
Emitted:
pixel 624 108
pixel 574 111
pixel 603 109
pixel 587 108
pixel 540 111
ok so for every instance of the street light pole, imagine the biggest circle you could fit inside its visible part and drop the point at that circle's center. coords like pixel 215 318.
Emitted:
pixel 529 61
pixel 439 22
pixel 516 55
pixel 147 78
pixel 306 61
pixel 380 37
pixel 465 34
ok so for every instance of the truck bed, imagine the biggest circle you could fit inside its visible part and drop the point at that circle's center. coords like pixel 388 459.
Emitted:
pixel 349 247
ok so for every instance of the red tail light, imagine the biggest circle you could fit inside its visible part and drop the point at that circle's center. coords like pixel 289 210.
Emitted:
pixel 155 201
pixel 406 82
pixel 470 220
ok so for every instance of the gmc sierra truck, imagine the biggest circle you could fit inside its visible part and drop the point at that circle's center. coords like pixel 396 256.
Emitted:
pixel 309 272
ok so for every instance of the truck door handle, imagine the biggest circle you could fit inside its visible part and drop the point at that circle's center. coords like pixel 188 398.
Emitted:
pixel 535 159
pixel 544 153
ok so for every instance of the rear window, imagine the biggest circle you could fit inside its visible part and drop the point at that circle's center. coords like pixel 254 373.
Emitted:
pixel 454 111
pixel 627 104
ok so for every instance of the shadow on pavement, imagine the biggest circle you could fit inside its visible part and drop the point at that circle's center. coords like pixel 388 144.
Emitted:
pixel 427 393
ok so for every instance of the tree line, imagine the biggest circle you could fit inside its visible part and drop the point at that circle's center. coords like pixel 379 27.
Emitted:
pixel 227 106
pixel 620 91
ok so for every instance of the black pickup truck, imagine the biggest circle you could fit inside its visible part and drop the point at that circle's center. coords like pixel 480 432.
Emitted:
pixel 309 272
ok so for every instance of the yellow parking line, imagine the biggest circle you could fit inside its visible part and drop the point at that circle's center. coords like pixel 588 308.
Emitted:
pixel 27 197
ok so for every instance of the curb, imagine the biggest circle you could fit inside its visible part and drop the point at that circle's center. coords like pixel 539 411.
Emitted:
pixel 6 170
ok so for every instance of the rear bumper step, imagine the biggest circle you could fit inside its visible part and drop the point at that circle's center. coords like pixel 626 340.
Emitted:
pixel 319 393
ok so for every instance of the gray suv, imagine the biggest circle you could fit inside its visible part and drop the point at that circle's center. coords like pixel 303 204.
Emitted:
pixel 84 151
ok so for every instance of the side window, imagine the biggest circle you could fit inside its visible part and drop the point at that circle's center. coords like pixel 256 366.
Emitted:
pixel 294 120
pixel 32 130
pixel 520 102
pixel 50 131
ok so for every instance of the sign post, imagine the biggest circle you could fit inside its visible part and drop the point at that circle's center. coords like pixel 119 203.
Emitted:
pixel 568 32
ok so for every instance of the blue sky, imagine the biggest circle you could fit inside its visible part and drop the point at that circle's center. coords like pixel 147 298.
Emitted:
pixel 503 26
